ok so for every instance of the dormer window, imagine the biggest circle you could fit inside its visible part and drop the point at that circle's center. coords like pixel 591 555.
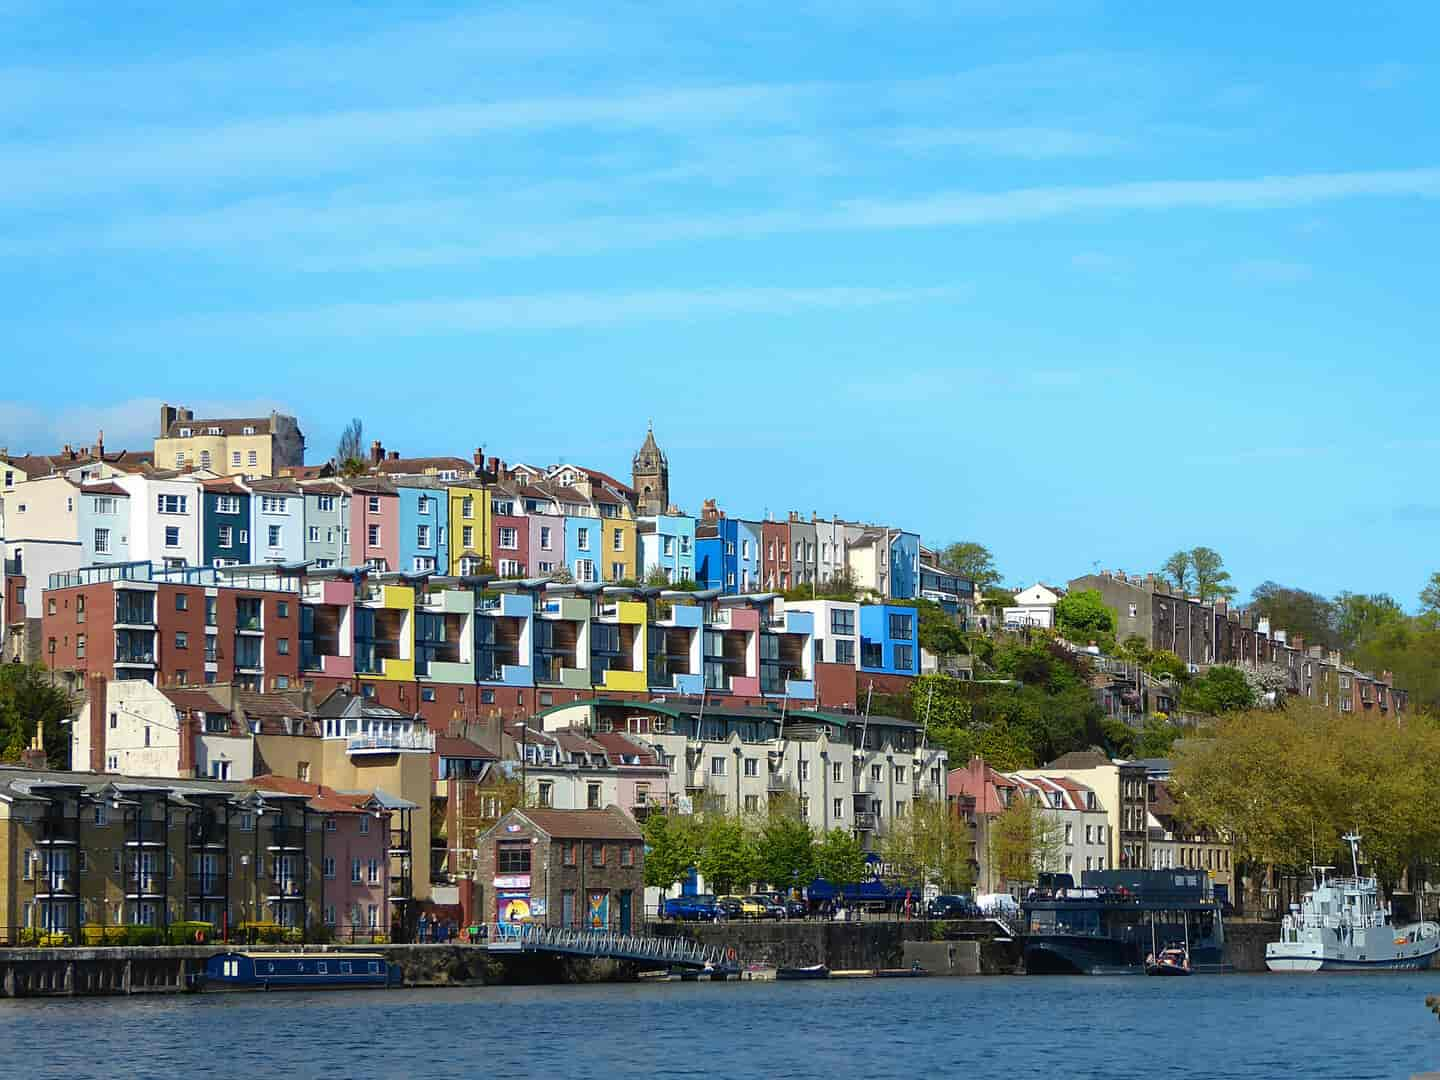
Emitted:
pixel 212 431
pixel 185 433
pixel 247 430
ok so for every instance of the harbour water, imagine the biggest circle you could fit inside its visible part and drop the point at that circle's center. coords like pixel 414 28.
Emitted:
pixel 1214 1027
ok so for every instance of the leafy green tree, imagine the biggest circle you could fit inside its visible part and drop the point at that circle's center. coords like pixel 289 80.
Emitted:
pixel 1222 689
pixel 28 699
pixel 1177 568
pixel 839 858
pixel 1358 617
pixel 1430 596
pixel 1297 611
pixel 1119 738
pixel 1025 841
pixel 971 561
pixel 350 451
pixel 1135 649
pixel 1082 615
pixel 671 849
pixel 930 845
pixel 1410 648
pixel 938 632
pixel 1156 738
pixel 785 852
pixel 726 854
pixel 1212 580
pixel 1166 663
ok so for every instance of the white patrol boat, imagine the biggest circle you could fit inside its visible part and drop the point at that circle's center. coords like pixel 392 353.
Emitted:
pixel 1342 926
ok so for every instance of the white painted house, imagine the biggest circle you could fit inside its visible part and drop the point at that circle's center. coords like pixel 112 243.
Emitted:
pixel 1034 606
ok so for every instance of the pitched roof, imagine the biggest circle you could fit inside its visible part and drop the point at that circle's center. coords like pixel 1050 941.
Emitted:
pixel 267 705
pixel 453 746
pixel 619 745
pixel 608 824
pixel 107 488
pixel 279 485
pixel 322 798
pixel 1079 759
pixel 225 485
pixel 392 466
pixel 193 701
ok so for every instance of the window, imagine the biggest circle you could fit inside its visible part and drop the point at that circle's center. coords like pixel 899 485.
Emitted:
pixel 170 504
pixel 546 791
pixel 545 537
pixel 372 872
pixel 235 457
pixel 842 621
pixel 364 826
pixel 467 536
pixel 182 639
pixel 904 657
pixel 182 601
pixel 1134 611
pixel 617 540
pixel 582 539
pixel 837 772
pixel 272 535
pixel 844 652
pixel 617 571
pixel 838 808
pixel 172 536
pixel 282 646
pixel 585 570
pixel 102 541
pixel 423 505
pixel 752 803
pixel 717 766
pixel 355 870
pixel 427 693
pixel 875 774
pixel 597 854
pixel 667 545
pixel 900 627
pixel 899 774
pixel 205 459
pixel 752 766
pixel 802 771
pixel 372 535
pixel 252 458
pixel 510 538
pixel 314 534
pixel 327 865
pixel 512 857
pixel 325 503
pixel 226 535
pixel 80 646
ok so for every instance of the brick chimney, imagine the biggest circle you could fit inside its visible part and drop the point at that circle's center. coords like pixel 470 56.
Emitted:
pixel 97 690
pixel 33 756
pixel 100 445
pixel 377 452
pixel 187 744
pixel 479 457
pixel 493 466
pixel 394 455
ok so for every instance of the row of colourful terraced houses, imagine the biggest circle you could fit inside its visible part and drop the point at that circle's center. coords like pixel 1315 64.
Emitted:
pixel 454 647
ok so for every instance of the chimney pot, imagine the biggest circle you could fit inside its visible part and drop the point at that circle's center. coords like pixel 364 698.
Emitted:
pixel 394 455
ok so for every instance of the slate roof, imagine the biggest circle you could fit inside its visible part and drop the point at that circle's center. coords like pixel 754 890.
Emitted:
pixel 608 824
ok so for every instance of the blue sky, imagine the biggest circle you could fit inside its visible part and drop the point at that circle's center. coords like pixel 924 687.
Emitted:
pixel 1085 282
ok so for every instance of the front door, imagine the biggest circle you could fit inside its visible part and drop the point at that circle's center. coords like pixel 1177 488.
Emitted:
pixel 625 911
pixel 567 909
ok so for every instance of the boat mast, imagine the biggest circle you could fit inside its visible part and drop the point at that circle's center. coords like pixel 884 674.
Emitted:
pixel 1353 839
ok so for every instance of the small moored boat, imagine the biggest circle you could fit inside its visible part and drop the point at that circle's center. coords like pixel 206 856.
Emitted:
pixel 1174 960
pixel 298 971
pixel 814 971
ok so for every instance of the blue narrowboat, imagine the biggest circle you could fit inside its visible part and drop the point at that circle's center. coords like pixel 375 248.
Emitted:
pixel 298 971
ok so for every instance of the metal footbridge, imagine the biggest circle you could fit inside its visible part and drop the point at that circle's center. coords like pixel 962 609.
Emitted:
pixel 671 952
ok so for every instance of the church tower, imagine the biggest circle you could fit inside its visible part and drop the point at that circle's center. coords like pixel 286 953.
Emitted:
pixel 650 477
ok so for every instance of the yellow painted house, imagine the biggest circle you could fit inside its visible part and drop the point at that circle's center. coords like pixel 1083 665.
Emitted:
pixel 469 528
pixel 619 541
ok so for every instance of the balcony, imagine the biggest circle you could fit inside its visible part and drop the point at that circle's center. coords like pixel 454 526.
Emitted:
pixel 392 743
pixel 207 834
pixel 57 831
pixel 208 887
pixel 286 838
pixel 145 834
pixel 291 888
pixel 58 883
pixel 146 887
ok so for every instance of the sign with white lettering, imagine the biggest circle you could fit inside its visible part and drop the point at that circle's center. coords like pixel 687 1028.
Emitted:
pixel 512 881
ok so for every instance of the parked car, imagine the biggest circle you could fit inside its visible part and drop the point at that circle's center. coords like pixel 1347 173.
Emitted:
pixel 773 909
pixel 729 907
pixel 749 907
pixel 697 908
pixel 951 906
pixel 794 909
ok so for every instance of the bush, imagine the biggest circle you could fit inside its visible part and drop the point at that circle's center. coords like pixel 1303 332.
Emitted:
pixel 184 933
pixel 103 935
pixel 142 935
pixel 264 933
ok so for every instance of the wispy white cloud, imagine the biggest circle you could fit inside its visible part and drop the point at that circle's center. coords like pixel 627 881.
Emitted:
pixel 130 424
pixel 361 234
pixel 542 311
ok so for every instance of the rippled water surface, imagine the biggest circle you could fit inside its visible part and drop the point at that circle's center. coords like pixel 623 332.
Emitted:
pixel 1231 1026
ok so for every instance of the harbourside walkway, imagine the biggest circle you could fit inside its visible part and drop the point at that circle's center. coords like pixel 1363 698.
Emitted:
pixel 673 952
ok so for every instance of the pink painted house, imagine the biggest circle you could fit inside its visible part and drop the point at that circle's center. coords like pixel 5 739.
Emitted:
pixel 375 524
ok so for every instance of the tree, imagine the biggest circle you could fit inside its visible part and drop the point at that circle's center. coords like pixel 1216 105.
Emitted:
pixel 1135 649
pixel 971 561
pixel 1430 596
pixel 1177 569
pixel 839 858
pixel 931 845
pixel 1166 664
pixel 1222 689
pixel 1296 611
pixel 1025 841
pixel 938 632
pixel 1120 738
pixel 785 852
pixel 1358 617
pixel 350 451
pixel 1156 738
pixel 28 699
pixel 1212 580
pixel 726 853
pixel 670 849
pixel 1082 616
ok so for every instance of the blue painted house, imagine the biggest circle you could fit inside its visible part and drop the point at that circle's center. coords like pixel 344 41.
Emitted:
pixel 103 524
pixel 424 518
pixel 277 521
pixel 583 547
pixel 889 639
pixel 904 566
pixel 667 544
pixel 717 545
pixel 225 524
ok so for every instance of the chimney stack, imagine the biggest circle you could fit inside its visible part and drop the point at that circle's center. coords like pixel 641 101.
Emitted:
pixel 187 744
pixel 377 452
pixel 97 692
pixel 494 465
pixel 100 445
pixel 479 457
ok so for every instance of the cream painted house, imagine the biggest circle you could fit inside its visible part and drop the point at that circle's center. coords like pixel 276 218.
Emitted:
pixel 1034 606
pixel 253 447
